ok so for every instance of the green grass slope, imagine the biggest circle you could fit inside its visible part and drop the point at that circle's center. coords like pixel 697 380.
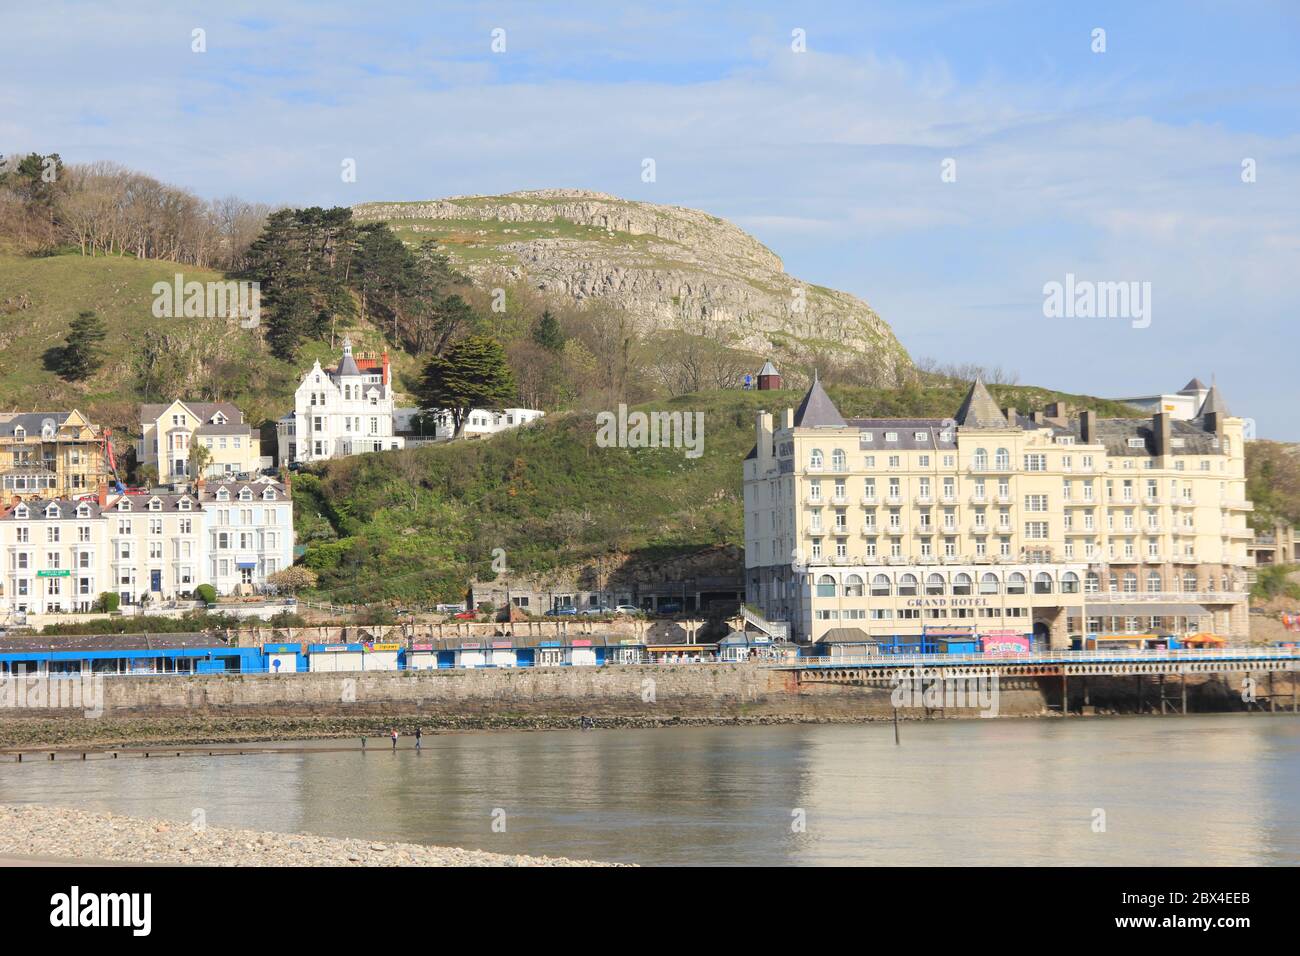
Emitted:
pixel 39 298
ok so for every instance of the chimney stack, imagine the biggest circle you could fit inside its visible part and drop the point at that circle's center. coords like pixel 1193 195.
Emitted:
pixel 1059 411
pixel 1088 427
pixel 1036 418
pixel 1010 414
pixel 102 494
pixel 763 438
pixel 788 419
pixel 1160 433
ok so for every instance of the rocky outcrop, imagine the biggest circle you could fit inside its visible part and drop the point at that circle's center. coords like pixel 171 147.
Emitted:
pixel 668 266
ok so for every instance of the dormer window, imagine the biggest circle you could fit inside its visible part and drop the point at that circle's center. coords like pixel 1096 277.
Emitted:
pixel 218 419
pixel 183 504
pixel 83 511
pixel 223 494
pixel 21 511
pixel 155 504
pixel 20 433
pixel 124 505
pixel 52 511
pixel 268 495
pixel 245 495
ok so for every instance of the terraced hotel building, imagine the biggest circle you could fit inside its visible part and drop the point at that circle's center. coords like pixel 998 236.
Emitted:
pixel 859 529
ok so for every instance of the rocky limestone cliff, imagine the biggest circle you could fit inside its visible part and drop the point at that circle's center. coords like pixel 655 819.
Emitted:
pixel 668 266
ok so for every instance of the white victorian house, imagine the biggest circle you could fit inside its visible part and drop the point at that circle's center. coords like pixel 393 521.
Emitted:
pixel 340 411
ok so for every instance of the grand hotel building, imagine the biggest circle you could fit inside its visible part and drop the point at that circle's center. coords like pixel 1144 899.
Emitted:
pixel 1041 523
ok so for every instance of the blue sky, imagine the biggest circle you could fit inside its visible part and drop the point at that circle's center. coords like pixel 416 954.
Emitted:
pixel 1115 166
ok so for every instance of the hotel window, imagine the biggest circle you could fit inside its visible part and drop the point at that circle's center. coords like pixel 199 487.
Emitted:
pixel 949 488
pixel 841 520
pixel 869 462
pixel 935 584
pixel 1069 583
pixel 894 461
pixel 981 459
pixel 816 548
pixel 1002 459
pixel 1004 547
pixel 989 583
pixel 950 461
pixel 1016 583
pixel 871 547
pixel 950 547
pixel 926 549
pixel 816 519
pixel 815 490
pixel 826 586
pixel 949 519
pixel 1035 463
pixel 839 461
pixel 981 548
pixel 979 489
pixel 841 548
pixel 52 534
pixel 907 585
pixel 1130 582
pixel 880 586
pixel 920 436
pixel 891 436
pixel 869 522
pixel 815 460
pixel 1154 582
pixel 839 488
pixel 1035 502
pixel 895 547
pixel 962 584
pixel 865 439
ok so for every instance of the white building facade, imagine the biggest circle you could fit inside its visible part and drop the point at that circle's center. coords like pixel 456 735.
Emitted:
pixel 346 410
pixel 60 556
pixel 416 424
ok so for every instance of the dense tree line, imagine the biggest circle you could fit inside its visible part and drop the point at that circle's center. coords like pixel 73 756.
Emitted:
pixel 317 266
pixel 109 210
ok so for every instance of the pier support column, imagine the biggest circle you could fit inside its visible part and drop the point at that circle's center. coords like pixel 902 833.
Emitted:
pixel 1065 695
pixel 1139 707
pixel 1184 676
pixel 1272 696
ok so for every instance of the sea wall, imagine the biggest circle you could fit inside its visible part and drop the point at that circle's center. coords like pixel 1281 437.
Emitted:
pixel 656 691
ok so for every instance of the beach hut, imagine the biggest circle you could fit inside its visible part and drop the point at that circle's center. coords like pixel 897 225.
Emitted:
pixel 335 658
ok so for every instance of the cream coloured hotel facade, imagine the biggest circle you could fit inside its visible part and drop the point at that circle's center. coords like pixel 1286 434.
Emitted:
pixel 1042 523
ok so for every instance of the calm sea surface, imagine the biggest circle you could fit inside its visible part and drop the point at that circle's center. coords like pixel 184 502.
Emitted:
pixel 1176 790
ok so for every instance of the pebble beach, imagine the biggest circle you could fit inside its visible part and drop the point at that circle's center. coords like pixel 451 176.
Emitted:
pixel 69 835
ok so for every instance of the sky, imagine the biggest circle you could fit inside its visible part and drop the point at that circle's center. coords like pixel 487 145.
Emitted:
pixel 943 161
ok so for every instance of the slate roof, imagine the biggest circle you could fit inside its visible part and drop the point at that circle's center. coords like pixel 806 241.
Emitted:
pixel 67 510
pixel 256 486
pixel 201 410
pixel 109 642
pixel 30 422
pixel 1213 403
pixel 817 410
pixel 1195 385
pixel 768 369
pixel 978 410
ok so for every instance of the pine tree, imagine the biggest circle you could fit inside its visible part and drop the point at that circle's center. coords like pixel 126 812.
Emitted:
pixel 82 355
pixel 547 333
pixel 472 373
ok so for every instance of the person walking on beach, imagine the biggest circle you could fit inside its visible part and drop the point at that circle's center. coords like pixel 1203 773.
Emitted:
pixel 394 738
pixel 418 734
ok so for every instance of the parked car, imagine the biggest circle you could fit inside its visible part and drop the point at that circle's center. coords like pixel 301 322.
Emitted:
pixel 296 466
pixel 628 609
pixel 449 608
pixel 563 610
pixel 597 610
pixel 465 615
pixel 668 608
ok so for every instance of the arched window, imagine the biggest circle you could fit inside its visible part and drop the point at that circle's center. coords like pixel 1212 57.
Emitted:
pixel 1016 583
pixel 1042 583
pixel 1002 459
pixel 853 586
pixel 815 460
pixel 1113 583
pixel 961 584
pixel 1130 582
pixel 839 460
pixel 981 459
pixel 1154 583
pixel 989 583
pixel 1092 583
pixel 934 584
pixel 907 585
pixel 1189 581
pixel 1069 583
pixel 880 586
pixel 826 586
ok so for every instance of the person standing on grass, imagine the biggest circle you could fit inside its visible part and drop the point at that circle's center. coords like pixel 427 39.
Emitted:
pixel 394 735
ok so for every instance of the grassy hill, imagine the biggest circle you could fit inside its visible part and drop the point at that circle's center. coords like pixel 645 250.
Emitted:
pixel 416 525
pixel 204 359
